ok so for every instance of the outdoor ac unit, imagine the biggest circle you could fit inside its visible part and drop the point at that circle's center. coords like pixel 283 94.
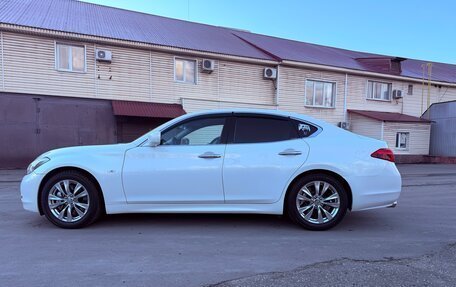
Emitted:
pixel 397 94
pixel 207 66
pixel 344 125
pixel 270 73
pixel 103 55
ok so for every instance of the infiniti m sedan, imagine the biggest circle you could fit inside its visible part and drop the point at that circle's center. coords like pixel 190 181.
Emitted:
pixel 222 161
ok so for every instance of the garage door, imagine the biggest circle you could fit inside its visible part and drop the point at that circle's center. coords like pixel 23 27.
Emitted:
pixel 31 125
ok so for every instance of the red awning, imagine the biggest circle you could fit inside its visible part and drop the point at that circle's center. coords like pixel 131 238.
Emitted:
pixel 389 117
pixel 150 110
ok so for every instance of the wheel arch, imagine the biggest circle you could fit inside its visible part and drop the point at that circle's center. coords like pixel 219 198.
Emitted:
pixel 336 176
pixel 69 168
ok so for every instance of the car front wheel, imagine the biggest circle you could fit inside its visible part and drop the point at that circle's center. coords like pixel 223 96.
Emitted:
pixel 317 202
pixel 70 200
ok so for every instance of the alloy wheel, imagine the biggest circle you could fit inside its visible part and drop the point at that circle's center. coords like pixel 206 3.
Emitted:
pixel 68 200
pixel 318 202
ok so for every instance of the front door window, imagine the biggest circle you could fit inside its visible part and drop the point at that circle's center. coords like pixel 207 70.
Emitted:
pixel 205 131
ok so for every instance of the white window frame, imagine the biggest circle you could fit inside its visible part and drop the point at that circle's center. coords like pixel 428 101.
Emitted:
pixel 196 70
pixel 390 85
pixel 56 53
pixel 410 91
pixel 407 147
pixel 334 83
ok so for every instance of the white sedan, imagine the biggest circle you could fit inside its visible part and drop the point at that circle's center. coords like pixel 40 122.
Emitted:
pixel 225 161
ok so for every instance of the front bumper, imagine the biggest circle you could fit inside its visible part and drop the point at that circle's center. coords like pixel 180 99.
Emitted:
pixel 30 185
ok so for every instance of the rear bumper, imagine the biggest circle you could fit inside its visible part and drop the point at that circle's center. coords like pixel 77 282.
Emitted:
pixel 377 190
pixel 29 191
pixel 378 200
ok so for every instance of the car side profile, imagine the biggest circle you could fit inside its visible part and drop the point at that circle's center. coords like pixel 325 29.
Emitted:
pixel 222 161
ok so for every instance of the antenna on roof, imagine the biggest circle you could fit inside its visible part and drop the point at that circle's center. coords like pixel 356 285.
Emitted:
pixel 188 10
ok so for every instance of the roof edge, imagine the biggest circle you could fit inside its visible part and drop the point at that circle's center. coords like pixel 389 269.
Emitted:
pixel 372 115
pixel 126 43
pixel 361 72
pixel 258 47
pixel 170 49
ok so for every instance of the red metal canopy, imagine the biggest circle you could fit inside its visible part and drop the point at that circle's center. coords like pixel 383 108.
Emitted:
pixel 150 110
pixel 389 117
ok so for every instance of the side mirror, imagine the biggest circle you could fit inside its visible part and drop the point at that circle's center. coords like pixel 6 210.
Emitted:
pixel 154 139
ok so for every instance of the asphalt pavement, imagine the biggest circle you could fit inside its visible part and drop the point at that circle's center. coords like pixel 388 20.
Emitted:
pixel 413 244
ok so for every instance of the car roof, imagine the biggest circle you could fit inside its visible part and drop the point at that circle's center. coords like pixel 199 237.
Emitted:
pixel 260 112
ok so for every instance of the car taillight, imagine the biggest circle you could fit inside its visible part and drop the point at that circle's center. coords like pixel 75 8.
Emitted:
pixel 384 153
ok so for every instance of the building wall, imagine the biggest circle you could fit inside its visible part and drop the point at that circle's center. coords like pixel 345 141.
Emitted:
pixel 419 137
pixel 292 93
pixel 366 126
pixel 134 74
pixel 414 104
pixel 28 66
pixel 419 133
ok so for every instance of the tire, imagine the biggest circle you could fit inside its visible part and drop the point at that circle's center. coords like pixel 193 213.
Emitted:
pixel 71 200
pixel 314 211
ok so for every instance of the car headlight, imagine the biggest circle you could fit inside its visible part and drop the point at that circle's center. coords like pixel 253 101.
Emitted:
pixel 37 163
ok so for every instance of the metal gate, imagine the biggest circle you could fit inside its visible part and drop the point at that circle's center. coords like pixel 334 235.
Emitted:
pixel 31 125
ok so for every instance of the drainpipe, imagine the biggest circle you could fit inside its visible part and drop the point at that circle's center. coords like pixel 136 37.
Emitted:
pixel 277 88
pixel 3 61
pixel 345 97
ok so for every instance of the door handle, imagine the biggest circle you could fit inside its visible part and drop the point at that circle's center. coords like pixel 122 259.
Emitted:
pixel 290 151
pixel 209 154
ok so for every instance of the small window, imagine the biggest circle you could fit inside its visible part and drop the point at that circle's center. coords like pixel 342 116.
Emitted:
pixel 259 130
pixel 379 91
pixel 410 90
pixel 304 129
pixel 320 94
pixel 185 71
pixel 402 140
pixel 203 131
pixel 70 58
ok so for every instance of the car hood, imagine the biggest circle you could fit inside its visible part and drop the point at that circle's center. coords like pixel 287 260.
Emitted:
pixel 82 150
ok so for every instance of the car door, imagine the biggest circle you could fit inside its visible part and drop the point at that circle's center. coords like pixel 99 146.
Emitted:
pixel 261 156
pixel 185 168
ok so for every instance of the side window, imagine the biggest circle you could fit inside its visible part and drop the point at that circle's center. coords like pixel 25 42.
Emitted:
pixel 402 140
pixel 70 58
pixel 203 131
pixel 304 129
pixel 185 70
pixel 259 130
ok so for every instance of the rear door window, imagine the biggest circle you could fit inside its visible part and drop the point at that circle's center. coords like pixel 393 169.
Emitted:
pixel 263 129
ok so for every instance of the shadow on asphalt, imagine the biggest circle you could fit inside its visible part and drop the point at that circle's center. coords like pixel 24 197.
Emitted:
pixel 352 221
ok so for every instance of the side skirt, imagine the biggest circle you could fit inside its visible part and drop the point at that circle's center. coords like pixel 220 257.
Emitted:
pixel 274 208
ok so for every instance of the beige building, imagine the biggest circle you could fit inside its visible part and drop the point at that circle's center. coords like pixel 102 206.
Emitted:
pixel 90 80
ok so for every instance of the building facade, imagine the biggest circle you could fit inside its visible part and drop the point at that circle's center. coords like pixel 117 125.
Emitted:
pixel 56 89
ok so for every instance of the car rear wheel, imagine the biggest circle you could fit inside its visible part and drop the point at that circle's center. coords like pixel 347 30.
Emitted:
pixel 317 202
pixel 70 200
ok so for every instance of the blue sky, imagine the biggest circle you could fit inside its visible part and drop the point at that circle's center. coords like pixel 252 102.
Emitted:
pixel 412 29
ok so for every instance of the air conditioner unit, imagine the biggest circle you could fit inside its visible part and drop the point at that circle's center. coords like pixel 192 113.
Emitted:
pixel 397 94
pixel 207 66
pixel 270 73
pixel 103 55
pixel 344 125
